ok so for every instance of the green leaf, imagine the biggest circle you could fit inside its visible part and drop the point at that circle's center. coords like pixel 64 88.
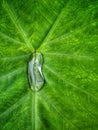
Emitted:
pixel 66 33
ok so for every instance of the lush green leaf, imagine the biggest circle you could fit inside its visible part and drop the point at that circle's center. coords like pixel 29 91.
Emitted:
pixel 66 33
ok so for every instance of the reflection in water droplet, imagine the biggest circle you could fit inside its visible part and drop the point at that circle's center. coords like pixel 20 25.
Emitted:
pixel 35 75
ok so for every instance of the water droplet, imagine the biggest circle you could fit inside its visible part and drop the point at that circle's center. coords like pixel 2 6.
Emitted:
pixel 36 78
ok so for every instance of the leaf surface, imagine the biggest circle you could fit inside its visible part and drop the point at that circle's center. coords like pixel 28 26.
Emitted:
pixel 66 33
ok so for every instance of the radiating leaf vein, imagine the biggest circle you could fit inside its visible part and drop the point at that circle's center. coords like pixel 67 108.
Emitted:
pixel 14 19
pixel 10 109
pixel 19 70
pixel 71 84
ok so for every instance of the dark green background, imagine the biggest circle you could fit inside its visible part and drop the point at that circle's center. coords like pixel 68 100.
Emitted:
pixel 66 33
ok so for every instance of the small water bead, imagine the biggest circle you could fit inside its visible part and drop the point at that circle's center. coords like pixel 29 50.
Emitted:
pixel 35 76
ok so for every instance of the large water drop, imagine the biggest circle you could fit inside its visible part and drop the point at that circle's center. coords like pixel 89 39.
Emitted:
pixel 36 78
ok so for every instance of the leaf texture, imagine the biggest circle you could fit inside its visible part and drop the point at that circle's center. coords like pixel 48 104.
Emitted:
pixel 66 33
